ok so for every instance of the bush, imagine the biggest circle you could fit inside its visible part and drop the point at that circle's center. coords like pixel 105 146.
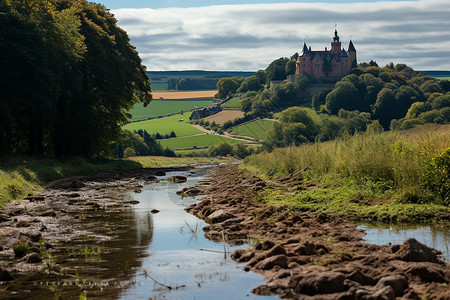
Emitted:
pixel 129 152
pixel 437 175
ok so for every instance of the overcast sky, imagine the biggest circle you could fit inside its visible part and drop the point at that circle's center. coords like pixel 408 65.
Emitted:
pixel 248 35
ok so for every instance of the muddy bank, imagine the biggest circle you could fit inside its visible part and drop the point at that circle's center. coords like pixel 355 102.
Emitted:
pixel 304 255
pixel 32 229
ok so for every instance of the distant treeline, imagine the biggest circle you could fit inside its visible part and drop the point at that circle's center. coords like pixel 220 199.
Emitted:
pixel 192 84
pixel 153 75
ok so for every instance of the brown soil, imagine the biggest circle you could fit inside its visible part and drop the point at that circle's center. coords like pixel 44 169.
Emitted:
pixel 225 115
pixel 304 255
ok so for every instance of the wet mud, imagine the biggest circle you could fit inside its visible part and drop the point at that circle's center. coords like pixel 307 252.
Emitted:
pixel 304 255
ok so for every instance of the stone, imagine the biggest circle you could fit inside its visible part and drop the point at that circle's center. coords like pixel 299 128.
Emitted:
pixel 219 216
pixel 4 218
pixel 32 258
pixel 154 211
pixel 399 284
pixel 177 179
pixel 160 173
pixel 48 213
pixel 5 275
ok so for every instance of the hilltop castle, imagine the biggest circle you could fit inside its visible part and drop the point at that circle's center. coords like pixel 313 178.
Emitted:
pixel 333 63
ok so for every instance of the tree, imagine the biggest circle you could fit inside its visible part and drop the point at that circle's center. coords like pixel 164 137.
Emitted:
pixel 291 67
pixel 250 84
pixel 345 95
pixel 227 86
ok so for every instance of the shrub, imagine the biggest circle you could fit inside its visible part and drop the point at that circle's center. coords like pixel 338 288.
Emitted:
pixel 437 175
pixel 129 152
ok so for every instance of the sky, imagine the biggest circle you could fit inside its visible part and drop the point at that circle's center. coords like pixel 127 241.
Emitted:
pixel 246 35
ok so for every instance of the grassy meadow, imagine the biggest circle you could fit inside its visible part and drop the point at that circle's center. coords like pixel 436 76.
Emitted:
pixel 158 161
pixel 166 125
pixel 163 107
pixel 198 141
pixel 224 115
pixel 257 129
pixel 377 177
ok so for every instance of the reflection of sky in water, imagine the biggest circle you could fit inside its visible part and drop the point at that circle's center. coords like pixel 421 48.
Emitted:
pixel 175 255
pixel 438 238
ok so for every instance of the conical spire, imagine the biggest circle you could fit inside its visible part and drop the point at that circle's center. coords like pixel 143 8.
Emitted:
pixel 305 48
pixel 351 47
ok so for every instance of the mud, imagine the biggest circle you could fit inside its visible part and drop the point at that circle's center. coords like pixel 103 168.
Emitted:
pixel 304 255
pixel 31 228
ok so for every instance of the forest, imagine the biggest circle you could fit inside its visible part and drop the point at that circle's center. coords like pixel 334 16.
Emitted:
pixel 69 77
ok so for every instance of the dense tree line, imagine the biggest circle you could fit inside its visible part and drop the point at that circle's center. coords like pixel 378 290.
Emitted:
pixel 389 93
pixel 192 84
pixel 69 76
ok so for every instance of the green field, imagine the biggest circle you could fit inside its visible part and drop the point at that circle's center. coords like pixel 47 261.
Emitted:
pixel 444 78
pixel 163 107
pixel 257 129
pixel 198 141
pixel 233 103
pixel 166 125
pixel 159 87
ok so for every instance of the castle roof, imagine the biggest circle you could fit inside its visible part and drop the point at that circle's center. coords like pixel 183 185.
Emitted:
pixel 351 47
pixel 305 49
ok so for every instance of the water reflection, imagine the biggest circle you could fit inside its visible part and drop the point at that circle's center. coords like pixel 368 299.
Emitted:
pixel 432 236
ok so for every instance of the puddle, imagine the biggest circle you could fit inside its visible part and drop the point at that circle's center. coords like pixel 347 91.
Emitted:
pixel 434 237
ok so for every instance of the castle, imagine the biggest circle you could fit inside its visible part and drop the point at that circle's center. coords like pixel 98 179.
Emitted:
pixel 335 63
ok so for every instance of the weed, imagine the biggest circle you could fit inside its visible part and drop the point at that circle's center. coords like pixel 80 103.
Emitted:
pixel 21 248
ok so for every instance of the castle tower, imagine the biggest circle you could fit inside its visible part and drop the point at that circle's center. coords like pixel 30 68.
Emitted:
pixel 352 54
pixel 335 45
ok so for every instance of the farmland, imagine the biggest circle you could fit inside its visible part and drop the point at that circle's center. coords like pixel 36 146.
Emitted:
pixel 166 125
pixel 164 107
pixel 257 129
pixel 225 115
pixel 198 141
pixel 176 95
pixel 233 103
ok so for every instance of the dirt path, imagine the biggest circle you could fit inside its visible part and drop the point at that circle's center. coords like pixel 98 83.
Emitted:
pixel 304 255
pixel 226 134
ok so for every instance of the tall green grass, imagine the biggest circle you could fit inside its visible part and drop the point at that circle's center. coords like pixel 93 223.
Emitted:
pixel 386 168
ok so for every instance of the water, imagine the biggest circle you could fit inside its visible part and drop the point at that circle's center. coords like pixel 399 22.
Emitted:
pixel 432 236
pixel 180 256
pixel 134 254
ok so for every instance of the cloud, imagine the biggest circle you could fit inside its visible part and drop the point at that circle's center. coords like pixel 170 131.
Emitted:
pixel 249 36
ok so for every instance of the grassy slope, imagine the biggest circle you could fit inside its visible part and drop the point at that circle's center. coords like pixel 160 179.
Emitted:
pixel 166 125
pixel 365 177
pixel 257 129
pixel 161 108
pixel 22 176
pixel 157 161
pixel 199 141
pixel 233 103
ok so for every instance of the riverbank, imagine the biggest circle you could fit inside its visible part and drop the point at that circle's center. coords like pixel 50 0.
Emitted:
pixel 24 176
pixel 305 254
pixel 42 234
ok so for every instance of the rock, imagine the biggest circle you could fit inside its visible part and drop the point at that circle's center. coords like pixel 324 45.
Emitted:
pixel 152 178
pixel 177 179
pixel 318 283
pixel 219 216
pixel 362 278
pixel 160 173
pixel 412 250
pixel 399 284
pixel 77 184
pixel 270 262
pixel 48 213
pixel 4 218
pixel 5 275
pixel 33 235
pixel 386 293
pixel 32 258
pixel 35 198
pixel 154 211
pixel 276 250
pixel 443 215
pixel 309 248
pixel 427 272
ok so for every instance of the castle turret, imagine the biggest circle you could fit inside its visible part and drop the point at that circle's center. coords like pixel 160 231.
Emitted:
pixel 335 45
pixel 352 54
